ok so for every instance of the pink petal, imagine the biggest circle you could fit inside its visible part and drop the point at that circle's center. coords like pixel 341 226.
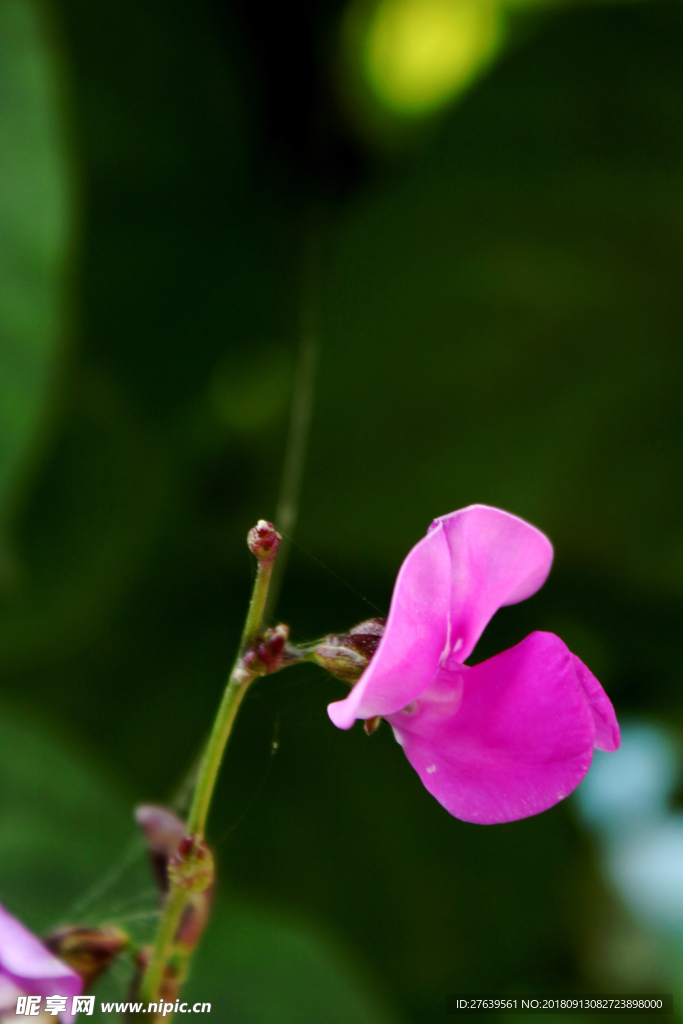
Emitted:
pixel 504 739
pixel 496 559
pixel 607 732
pixel 414 637
pixel 29 965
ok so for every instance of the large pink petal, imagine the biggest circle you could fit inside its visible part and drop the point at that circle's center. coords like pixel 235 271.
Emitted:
pixel 504 739
pixel 26 962
pixel 607 732
pixel 496 559
pixel 414 637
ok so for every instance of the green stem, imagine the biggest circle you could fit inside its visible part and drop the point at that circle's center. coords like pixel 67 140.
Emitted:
pixel 163 943
pixel 238 682
pixel 237 686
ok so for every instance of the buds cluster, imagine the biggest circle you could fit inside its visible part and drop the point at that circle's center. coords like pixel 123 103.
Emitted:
pixel 88 951
pixel 347 655
pixel 263 541
pixel 268 651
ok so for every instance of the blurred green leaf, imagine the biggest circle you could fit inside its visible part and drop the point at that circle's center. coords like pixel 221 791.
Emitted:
pixel 550 383
pixel 111 475
pixel 34 235
pixel 61 828
pixel 257 968
pixel 250 396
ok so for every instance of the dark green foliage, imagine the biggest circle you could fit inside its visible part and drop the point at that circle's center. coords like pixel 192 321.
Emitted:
pixel 500 322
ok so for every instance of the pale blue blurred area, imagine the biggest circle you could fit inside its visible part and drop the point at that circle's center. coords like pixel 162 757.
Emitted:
pixel 626 802
pixel 631 788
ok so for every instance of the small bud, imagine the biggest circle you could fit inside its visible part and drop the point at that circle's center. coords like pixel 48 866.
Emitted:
pixel 267 653
pixel 263 540
pixel 163 829
pixel 88 951
pixel 347 655
pixel 191 866
pixel 164 832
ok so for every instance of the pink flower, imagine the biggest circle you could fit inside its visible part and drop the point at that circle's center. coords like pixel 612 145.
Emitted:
pixel 496 741
pixel 28 968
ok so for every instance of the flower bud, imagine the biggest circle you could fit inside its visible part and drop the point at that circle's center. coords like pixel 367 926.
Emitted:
pixel 347 655
pixel 164 831
pixel 267 653
pixel 88 951
pixel 191 866
pixel 263 541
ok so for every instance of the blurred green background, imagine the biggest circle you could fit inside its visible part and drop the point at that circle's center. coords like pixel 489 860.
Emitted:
pixel 500 309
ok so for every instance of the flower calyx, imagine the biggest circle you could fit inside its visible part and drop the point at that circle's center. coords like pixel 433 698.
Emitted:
pixel 191 867
pixel 371 725
pixel 269 652
pixel 263 541
pixel 88 951
pixel 347 655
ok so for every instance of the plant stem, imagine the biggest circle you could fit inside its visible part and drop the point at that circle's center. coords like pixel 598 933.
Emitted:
pixel 174 905
pixel 208 770
pixel 238 683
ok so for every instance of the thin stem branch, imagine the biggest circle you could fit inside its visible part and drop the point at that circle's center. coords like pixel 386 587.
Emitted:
pixel 302 398
pixel 295 457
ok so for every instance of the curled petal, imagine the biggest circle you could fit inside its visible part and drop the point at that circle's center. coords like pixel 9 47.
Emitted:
pixel 504 739
pixel 27 964
pixel 414 637
pixel 607 732
pixel 496 559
